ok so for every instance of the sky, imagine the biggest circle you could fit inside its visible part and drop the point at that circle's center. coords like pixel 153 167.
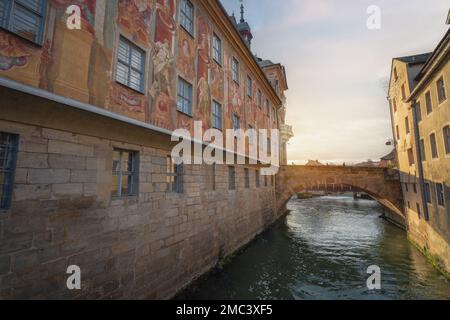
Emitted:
pixel 336 67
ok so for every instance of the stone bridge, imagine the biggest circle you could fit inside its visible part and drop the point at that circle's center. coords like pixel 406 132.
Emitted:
pixel 382 184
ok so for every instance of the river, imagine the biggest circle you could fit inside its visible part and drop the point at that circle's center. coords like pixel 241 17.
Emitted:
pixel 322 250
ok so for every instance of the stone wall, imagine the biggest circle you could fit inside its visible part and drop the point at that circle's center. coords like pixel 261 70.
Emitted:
pixel 143 247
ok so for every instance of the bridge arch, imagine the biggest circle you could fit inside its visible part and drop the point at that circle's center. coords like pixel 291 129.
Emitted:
pixel 382 184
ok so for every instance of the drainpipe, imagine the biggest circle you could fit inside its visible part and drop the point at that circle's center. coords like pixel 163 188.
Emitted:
pixel 394 136
pixel 419 159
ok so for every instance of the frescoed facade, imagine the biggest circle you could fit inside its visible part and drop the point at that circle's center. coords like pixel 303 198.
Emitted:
pixel 86 118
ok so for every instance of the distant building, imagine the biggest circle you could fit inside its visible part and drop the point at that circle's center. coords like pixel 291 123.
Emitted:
pixel 314 163
pixel 420 108
pixel 389 161
pixel 368 163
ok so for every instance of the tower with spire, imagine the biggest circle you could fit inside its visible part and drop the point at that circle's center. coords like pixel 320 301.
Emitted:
pixel 244 28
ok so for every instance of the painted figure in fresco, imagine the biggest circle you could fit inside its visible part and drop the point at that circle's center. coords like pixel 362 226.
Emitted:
pixel 165 13
pixel 204 98
pixel 163 61
pixel 186 59
pixel 135 17
pixel 13 52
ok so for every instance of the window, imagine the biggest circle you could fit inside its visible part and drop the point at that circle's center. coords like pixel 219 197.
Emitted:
pixel 231 178
pixel 249 87
pixel 427 193
pixel 274 115
pixel 397 130
pixel 407 125
pixel 428 103
pixel 269 146
pixel 422 150
pixel 418 111
pixel 174 176
pixel 24 18
pixel 125 173
pixel 213 168
pixel 440 194
pixel 236 122
pixel 403 92
pixel 187 16
pixel 394 103
pixel 441 90
pixel 130 65
pixel 257 178
pixel 409 205
pixel 235 70
pixel 411 157
pixel 446 133
pixel 419 212
pixel 259 99
pixel 217 115
pixel 217 49
pixel 247 178
pixel 434 150
pixel 395 74
pixel 406 187
pixel 251 135
pixel 266 184
pixel 415 187
pixel 184 101
pixel 8 155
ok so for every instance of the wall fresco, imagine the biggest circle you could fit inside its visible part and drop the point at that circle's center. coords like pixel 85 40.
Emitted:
pixel 80 63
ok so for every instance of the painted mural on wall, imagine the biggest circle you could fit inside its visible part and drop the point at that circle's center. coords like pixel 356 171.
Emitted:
pixel 87 11
pixel 135 18
pixel 14 53
pixel 164 111
pixel 186 56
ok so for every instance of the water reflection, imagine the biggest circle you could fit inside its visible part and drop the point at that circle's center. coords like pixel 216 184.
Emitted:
pixel 322 251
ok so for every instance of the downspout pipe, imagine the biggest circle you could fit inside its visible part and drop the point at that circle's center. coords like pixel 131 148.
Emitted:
pixel 419 159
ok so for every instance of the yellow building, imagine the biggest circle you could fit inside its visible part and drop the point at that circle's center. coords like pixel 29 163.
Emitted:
pixel 418 97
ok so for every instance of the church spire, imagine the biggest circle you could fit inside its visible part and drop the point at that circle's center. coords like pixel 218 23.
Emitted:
pixel 242 11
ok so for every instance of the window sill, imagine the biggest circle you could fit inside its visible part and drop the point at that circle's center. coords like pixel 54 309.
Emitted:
pixel 39 45
pixel 129 88
pixel 218 63
pixel 186 114
pixel 187 31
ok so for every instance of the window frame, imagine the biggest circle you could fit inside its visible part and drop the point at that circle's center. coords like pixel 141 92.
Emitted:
pixel 134 174
pixel 231 178
pixel 216 105
pixel 428 199
pixel 428 103
pixel 217 51
pixel 249 87
pixel 407 126
pixel 435 150
pixel 174 176
pixel 257 178
pixel 246 178
pixel 8 23
pixel 235 70
pixel 189 99
pixel 446 138
pixel 128 64
pixel 423 152
pixel 185 18
pixel 11 153
pixel 236 117
pixel 440 194
pixel 418 111
pixel 259 98
pixel 441 99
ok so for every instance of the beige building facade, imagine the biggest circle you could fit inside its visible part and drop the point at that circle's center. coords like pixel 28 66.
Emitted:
pixel 419 103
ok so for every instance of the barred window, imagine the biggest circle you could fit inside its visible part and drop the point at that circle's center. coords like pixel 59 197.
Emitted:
pixel 231 178
pixel 8 156
pixel 187 16
pixel 257 178
pixel 25 18
pixel 434 150
pixel 130 65
pixel 235 70
pixel 428 193
pixel 249 87
pixel 440 194
pixel 442 96
pixel 184 102
pixel 125 173
pixel 217 49
pixel 217 115
pixel 446 133
pixel 174 176
pixel 428 103
pixel 247 178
